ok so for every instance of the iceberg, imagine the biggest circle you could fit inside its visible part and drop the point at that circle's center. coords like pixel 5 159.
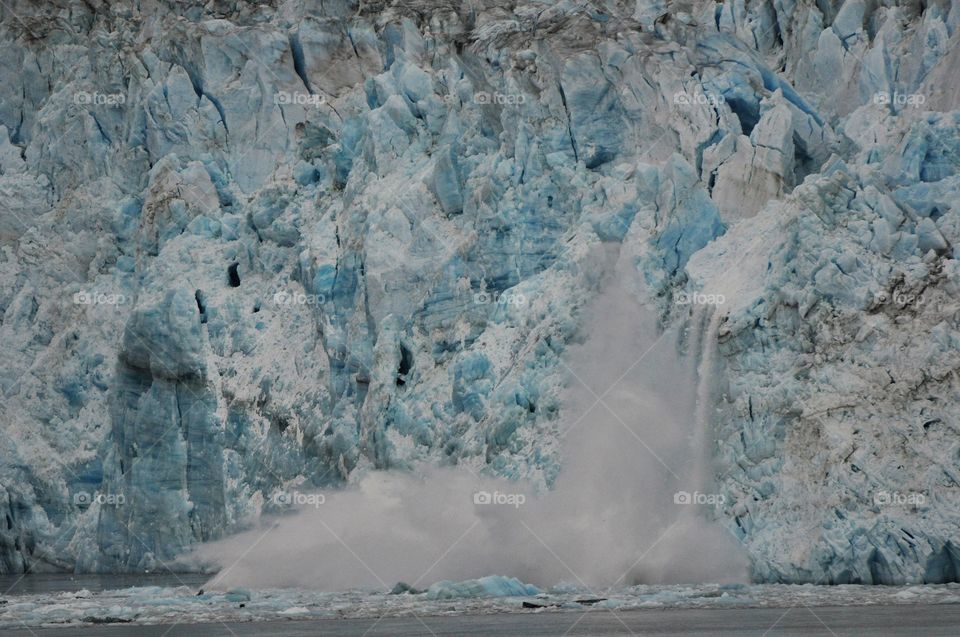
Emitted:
pixel 490 586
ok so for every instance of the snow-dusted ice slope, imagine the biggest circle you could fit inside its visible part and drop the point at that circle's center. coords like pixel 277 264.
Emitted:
pixel 249 247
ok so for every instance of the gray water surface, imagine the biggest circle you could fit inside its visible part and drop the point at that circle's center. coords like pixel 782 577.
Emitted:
pixel 68 583
pixel 847 621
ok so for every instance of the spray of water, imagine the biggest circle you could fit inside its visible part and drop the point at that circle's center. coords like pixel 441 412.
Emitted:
pixel 636 422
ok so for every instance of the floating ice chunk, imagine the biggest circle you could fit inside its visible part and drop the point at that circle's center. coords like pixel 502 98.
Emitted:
pixel 489 586
pixel 238 595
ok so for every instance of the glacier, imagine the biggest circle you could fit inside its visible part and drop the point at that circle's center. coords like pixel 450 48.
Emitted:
pixel 254 247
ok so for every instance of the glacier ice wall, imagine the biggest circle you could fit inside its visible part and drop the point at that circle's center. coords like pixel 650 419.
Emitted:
pixel 248 246
pixel 609 519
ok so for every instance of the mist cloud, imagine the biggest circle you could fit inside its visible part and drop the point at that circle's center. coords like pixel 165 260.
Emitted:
pixel 611 519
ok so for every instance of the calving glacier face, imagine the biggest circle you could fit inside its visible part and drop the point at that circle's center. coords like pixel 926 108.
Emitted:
pixel 839 422
pixel 254 247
